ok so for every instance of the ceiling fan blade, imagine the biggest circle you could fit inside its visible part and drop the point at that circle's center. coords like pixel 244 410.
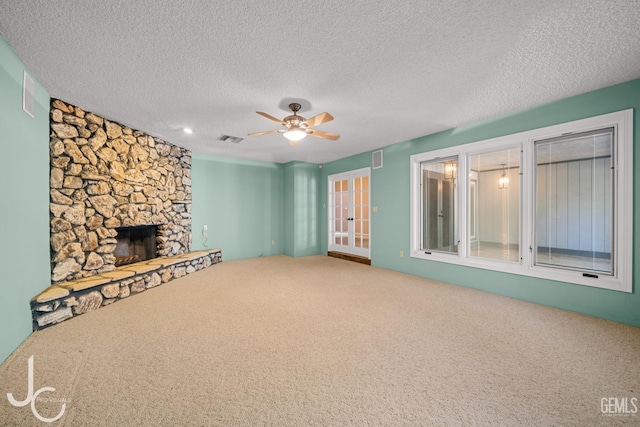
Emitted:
pixel 325 135
pixel 270 117
pixel 266 132
pixel 293 143
pixel 319 119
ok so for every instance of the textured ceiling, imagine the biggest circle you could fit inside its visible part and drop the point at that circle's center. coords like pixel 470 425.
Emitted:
pixel 388 71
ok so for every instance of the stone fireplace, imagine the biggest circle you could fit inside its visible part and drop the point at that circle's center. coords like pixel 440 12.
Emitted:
pixel 120 211
pixel 107 178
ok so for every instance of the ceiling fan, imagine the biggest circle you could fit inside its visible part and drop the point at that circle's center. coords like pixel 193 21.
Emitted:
pixel 297 127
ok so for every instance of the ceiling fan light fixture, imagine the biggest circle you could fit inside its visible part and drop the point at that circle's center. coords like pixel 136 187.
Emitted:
pixel 297 127
pixel 295 134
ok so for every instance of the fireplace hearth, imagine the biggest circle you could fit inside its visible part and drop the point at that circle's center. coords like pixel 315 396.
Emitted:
pixel 135 244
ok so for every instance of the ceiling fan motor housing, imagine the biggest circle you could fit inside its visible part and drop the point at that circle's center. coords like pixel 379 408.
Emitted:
pixel 295 120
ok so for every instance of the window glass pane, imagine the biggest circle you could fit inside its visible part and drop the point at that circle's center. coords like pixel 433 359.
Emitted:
pixel 574 207
pixel 494 205
pixel 439 210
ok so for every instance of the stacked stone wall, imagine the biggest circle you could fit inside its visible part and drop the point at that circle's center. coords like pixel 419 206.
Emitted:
pixel 105 175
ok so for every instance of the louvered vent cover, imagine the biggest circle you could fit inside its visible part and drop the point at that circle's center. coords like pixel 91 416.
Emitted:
pixel 376 159
pixel 228 138
pixel 28 94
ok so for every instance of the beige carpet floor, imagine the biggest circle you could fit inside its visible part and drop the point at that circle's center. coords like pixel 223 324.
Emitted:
pixel 323 341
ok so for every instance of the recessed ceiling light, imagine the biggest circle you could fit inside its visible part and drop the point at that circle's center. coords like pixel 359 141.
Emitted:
pixel 188 130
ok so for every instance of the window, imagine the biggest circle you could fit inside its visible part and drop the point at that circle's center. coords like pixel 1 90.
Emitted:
pixel 494 205
pixel 439 231
pixel 574 207
pixel 552 203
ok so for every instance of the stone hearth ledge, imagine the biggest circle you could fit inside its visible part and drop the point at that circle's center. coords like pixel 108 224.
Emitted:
pixel 65 300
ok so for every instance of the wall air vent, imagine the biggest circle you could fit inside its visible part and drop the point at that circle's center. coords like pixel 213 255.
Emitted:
pixel 376 159
pixel 228 138
pixel 28 95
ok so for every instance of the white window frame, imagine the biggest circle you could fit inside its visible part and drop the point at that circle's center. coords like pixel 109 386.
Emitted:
pixel 621 280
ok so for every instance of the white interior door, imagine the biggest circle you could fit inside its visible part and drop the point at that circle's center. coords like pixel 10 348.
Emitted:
pixel 349 212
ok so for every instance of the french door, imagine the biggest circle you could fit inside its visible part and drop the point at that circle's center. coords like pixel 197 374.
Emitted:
pixel 349 212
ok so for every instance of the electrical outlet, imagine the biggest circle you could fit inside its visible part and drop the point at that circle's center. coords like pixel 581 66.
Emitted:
pixel 401 254
pixel 375 209
pixel 205 235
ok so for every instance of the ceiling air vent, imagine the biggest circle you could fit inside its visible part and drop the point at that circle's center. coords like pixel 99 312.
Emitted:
pixel 228 138
pixel 376 159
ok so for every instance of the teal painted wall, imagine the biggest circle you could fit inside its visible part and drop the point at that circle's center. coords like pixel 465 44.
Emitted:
pixel 302 225
pixel 241 202
pixel 24 252
pixel 390 188
pixel 289 201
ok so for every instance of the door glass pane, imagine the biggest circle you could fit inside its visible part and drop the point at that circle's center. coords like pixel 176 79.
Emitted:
pixel 439 210
pixel 494 205
pixel 574 204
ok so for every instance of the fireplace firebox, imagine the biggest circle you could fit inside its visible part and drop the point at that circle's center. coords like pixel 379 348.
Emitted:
pixel 135 244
